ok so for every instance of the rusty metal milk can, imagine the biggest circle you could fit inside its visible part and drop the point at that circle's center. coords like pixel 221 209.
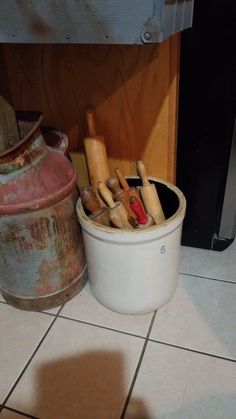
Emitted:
pixel 42 260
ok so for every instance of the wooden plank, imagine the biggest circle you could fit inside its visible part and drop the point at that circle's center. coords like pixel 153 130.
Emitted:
pixel 174 61
pixel 132 88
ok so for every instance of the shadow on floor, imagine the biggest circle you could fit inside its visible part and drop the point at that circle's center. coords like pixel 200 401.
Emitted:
pixel 88 386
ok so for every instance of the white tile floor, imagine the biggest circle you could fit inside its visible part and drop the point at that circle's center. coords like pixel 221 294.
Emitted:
pixel 83 361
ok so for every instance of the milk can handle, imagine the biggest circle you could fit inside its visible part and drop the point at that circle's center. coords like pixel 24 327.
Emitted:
pixel 62 144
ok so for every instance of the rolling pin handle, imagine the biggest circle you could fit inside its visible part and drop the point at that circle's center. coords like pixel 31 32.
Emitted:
pixel 142 173
pixel 90 122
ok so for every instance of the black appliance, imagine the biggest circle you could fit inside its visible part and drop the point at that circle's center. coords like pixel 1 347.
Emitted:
pixel 206 154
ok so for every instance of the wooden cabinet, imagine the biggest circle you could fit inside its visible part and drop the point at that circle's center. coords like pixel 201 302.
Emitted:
pixel 133 88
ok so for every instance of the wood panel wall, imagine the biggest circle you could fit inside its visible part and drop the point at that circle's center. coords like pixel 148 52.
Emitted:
pixel 134 90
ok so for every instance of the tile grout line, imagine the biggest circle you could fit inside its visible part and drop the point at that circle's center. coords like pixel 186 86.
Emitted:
pixel 30 359
pixel 209 278
pixel 138 367
pixel 20 413
pixel 192 350
pixel 101 327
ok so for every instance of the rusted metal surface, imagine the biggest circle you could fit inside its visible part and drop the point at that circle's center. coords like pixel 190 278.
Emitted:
pixel 29 123
pixel 42 256
pixel 41 253
pixel 33 175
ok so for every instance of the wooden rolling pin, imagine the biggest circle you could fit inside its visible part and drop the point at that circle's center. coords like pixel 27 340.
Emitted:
pixel 130 189
pixel 118 213
pixel 95 152
pixel 120 194
pixel 149 195
pixel 91 202
pixel 143 220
